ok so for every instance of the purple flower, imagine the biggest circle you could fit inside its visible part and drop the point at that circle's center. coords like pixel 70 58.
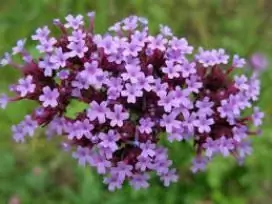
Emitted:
pixel 144 163
pixel 78 49
pixel 157 42
pixel 181 45
pixel 108 140
pixel 122 170
pixel 25 86
pixel 63 74
pixel 47 45
pixel 162 166
pixel 204 124
pixel 59 58
pixel 211 147
pixel 165 30
pixel 193 84
pixel 29 125
pixel 3 101
pixel 171 70
pixel 113 182
pixel 188 69
pixel 146 125
pixel 205 107
pixel 83 155
pixel 74 22
pixel 77 36
pixel 244 149
pixel 18 133
pixel 199 164
pixel 49 97
pixel 133 72
pixel 257 117
pixel 117 116
pixel 241 82
pixel 41 34
pixel 19 47
pixel 132 92
pixel 145 82
pixel 239 133
pixel 48 66
pixel 169 177
pixel 148 149
pixel 225 146
pixel 259 61
pixel 98 111
pixel 167 101
pixel 170 122
pixel 176 134
pixel 139 181
pixel 5 60
pixel 100 162
pixel 238 62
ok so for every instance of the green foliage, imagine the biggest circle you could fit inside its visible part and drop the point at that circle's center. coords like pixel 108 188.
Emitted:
pixel 38 172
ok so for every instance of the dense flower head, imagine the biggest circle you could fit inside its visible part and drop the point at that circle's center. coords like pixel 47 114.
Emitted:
pixel 138 88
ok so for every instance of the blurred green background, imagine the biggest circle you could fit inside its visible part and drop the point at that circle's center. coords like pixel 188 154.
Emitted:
pixel 39 172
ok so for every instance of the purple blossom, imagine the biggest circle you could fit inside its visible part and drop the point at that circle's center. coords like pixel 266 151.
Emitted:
pixel 194 84
pixel 5 60
pixel 74 22
pixel 18 133
pixel 25 86
pixel 205 107
pixel 47 45
pixel 204 124
pixel 199 164
pixel 225 146
pixel 169 122
pixel 48 66
pixel 98 111
pixel 41 34
pixel 77 36
pixel 239 133
pixel 29 125
pixel 259 61
pixel 117 116
pixel 132 92
pixel 188 69
pixel 19 47
pixel 147 149
pixel 139 181
pixel 63 74
pixel 49 97
pixel 145 82
pixel 144 163
pixel 3 101
pixel 257 117
pixel 100 162
pixel 59 58
pixel 169 177
pixel 171 70
pixel 211 147
pixel 165 30
pixel 238 62
pixel 114 182
pixel 157 42
pixel 133 72
pixel 108 140
pixel 83 155
pixel 122 170
pixel 176 135
pixel 78 49
pixel 146 125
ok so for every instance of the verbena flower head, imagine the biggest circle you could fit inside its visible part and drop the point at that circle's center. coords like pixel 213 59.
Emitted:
pixel 138 88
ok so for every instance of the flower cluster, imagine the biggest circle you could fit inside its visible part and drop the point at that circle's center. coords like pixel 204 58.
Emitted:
pixel 139 88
